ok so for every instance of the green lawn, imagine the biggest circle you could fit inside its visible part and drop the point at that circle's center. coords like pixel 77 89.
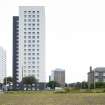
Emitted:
pixel 50 98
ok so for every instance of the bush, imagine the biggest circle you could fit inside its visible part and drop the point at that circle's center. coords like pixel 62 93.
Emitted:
pixel 61 91
pixel 67 90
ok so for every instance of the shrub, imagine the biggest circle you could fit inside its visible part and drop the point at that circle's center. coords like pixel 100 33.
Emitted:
pixel 61 91
pixel 67 90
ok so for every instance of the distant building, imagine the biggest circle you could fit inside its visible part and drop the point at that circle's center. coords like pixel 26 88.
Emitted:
pixel 58 75
pixel 96 75
pixel 2 64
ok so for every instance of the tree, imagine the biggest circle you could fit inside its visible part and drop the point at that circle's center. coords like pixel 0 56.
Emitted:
pixel 84 85
pixel 77 85
pixel 29 80
pixel 100 84
pixel 53 84
pixel 97 85
pixel 8 80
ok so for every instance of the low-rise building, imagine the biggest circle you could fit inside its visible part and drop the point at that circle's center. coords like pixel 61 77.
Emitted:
pixel 96 75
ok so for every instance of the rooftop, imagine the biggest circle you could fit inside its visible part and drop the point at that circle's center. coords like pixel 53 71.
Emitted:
pixel 100 69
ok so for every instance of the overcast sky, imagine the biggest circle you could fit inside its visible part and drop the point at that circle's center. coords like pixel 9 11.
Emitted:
pixel 75 34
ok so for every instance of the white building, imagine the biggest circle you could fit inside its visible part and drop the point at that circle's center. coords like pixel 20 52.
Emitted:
pixel 31 44
pixel 2 64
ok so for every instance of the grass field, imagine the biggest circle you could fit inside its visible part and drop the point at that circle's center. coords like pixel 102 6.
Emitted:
pixel 50 98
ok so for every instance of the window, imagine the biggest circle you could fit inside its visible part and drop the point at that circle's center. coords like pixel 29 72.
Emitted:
pixel 33 16
pixel 24 41
pixel 33 62
pixel 24 32
pixel 37 66
pixel 29 32
pixel 25 45
pixel 37 62
pixel 37 53
pixel 17 32
pixel 33 53
pixel 33 32
pixel 37 45
pixel 37 28
pixel 37 16
pixel 29 15
pixel 17 52
pixel 25 20
pixel 33 20
pixel 25 16
pixel 25 11
pixel 33 28
pixel 37 41
pixel 29 20
pixel 33 57
pixel 33 49
pixel 29 24
pixel 29 37
pixel 24 49
pixel 33 66
pixel 33 37
pixel 37 32
pixel 17 41
pixel 33 45
pixel 29 11
pixel 37 11
pixel 24 62
pixel 17 59
pixel 33 11
pixel 29 53
pixel 17 26
pixel 29 45
pixel 37 20
pixel 25 24
pixel 29 28
pixel 29 58
pixel 29 41
pixel 17 49
pixel 24 28
pixel 33 71
pixel 38 37
pixel 37 49
pixel 29 62
pixel 29 49
pixel 33 24
pixel 33 41
pixel 37 58
pixel 37 24
pixel 24 53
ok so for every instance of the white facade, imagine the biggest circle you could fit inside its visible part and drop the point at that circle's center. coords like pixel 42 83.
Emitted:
pixel 2 64
pixel 32 42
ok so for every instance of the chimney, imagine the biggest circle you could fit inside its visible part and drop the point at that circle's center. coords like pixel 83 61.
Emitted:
pixel 90 68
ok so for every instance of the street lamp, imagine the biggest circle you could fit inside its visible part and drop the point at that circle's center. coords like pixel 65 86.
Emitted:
pixel 94 79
